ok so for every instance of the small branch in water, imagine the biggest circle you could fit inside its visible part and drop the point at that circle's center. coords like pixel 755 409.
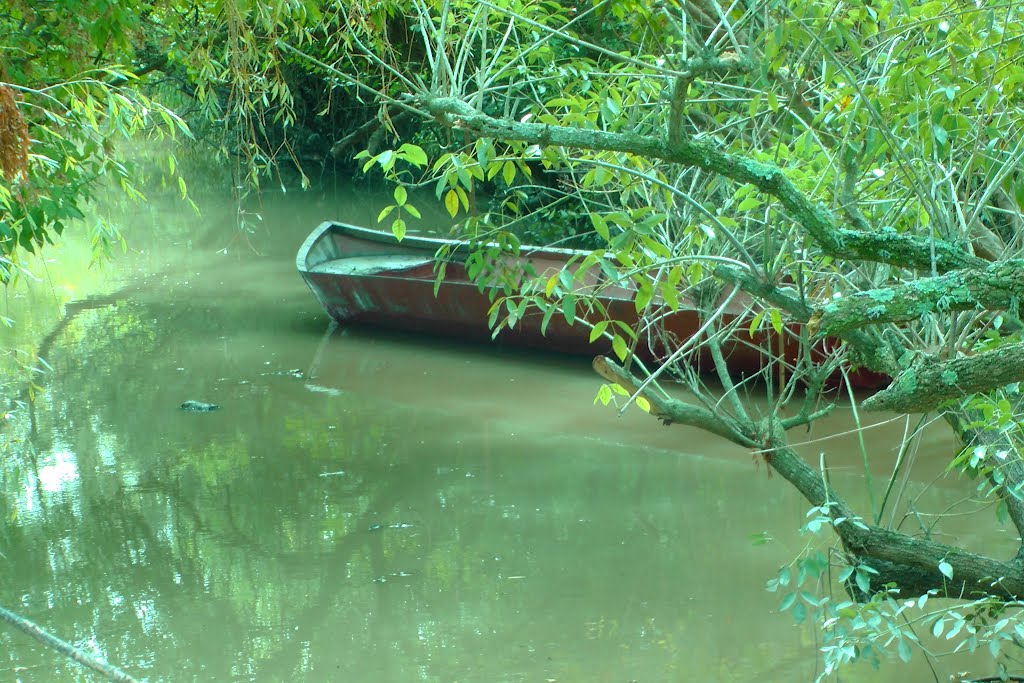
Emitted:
pixel 25 626
pixel 339 473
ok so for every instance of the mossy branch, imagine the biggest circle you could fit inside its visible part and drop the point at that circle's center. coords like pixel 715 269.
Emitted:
pixel 884 246
pixel 928 383
pixel 1000 286
pixel 910 562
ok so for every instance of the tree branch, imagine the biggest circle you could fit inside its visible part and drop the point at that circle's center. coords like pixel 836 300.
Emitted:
pixel 928 382
pixel 871 351
pixel 896 556
pixel 1000 286
pixel 670 410
pixel 912 563
pixel 884 246
pixel 109 671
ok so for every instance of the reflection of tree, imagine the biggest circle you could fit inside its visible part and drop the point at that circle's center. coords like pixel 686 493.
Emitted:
pixel 183 537
pixel 168 506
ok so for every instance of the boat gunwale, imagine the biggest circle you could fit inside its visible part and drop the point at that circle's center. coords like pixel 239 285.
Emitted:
pixel 461 247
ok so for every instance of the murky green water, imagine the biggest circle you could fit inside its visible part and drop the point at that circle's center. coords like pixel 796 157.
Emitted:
pixel 369 506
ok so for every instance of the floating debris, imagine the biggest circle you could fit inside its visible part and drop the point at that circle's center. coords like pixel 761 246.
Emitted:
pixel 294 372
pixel 384 578
pixel 330 391
pixel 199 406
pixel 399 525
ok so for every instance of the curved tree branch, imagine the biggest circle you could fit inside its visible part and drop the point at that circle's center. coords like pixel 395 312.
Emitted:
pixel 884 246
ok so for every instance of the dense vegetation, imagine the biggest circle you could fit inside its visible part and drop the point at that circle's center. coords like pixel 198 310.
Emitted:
pixel 849 171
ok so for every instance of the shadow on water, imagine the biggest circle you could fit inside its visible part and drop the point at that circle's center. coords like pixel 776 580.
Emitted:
pixel 373 506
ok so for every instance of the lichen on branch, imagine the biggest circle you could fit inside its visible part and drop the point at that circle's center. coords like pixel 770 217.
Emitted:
pixel 928 383
pixel 997 287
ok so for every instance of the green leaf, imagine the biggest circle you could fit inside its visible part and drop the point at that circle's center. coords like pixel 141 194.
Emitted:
pixel 549 288
pixel 604 395
pixel 785 576
pixel 643 404
pixel 548 312
pixel 401 195
pixel 799 612
pixel 440 277
pixel 508 172
pixel 398 228
pixel 863 581
pixel 749 203
pixel 670 294
pixel 644 295
pixel 937 627
pixel 903 649
pixel 957 626
pixel 598 330
pixel 384 213
pixel 451 203
pixel 776 320
pixel 619 347
pixel 569 308
pixel 947 569
pixel 484 152
pixel 756 322
pixel 413 154
pixel 493 314
pixel 600 225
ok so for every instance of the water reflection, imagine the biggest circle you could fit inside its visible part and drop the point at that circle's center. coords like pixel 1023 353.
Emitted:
pixel 368 506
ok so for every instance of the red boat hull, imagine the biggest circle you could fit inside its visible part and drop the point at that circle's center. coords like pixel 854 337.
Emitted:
pixel 368 277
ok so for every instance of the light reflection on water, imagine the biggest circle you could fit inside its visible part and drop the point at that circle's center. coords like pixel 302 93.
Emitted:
pixel 401 509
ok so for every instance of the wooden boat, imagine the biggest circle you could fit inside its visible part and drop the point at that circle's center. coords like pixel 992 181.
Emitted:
pixel 368 277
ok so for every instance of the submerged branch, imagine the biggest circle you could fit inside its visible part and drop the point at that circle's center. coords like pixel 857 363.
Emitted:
pixel 910 562
pixel 65 648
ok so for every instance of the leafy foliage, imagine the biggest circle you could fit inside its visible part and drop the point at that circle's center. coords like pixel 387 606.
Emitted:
pixel 61 118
